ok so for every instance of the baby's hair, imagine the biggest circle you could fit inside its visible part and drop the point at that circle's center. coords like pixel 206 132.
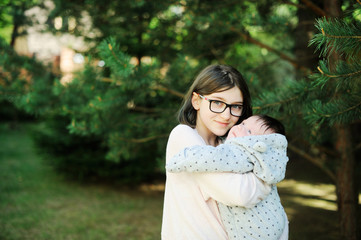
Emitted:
pixel 272 123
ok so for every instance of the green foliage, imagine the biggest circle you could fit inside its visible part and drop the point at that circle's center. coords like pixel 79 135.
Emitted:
pixel 338 35
pixel 83 157
pixel 331 96
pixel 340 111
pixel 340 78
pixel 25 82
pixel 141 28
pixel 114 107
pixel 13 19
pixel 117 114
pixel 344 76
pixel 113 122
pixel 130 109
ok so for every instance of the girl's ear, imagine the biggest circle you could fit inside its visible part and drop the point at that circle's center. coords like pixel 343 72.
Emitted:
pixel 195 101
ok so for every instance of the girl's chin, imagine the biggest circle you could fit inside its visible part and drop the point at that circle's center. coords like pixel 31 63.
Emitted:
pixel 220 133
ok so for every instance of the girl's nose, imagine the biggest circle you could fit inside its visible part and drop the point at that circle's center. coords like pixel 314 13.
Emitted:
pixel 226 114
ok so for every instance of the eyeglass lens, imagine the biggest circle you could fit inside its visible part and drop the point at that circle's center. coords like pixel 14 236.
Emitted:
pixel 219 107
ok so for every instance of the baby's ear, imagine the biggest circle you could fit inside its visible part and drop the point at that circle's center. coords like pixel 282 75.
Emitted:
pixel 260 147
pixel 195 101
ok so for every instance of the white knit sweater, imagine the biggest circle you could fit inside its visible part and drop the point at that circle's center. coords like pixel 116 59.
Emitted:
pixel 190 209
pixel 266 156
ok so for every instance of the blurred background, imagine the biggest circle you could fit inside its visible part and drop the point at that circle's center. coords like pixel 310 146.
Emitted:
pixel 90 89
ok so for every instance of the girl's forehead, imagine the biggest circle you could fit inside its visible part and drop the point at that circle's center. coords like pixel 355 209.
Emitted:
pixel 231 95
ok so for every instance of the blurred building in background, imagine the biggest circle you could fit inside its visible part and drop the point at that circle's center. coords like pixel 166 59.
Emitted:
pixel 62 51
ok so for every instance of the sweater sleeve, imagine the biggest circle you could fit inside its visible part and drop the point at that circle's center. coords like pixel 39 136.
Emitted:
pixel 264 154
pixel 268 153
pixel 223 158
pixel 228 188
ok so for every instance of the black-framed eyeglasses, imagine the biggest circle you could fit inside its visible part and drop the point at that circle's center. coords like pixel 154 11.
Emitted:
pixel 218 106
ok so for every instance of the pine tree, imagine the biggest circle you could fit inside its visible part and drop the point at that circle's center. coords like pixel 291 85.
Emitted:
pixel 341 75
pixel 326 108
pixel 130 109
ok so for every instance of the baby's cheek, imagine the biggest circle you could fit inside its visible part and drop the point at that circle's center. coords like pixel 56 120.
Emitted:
pixel 241 132
pixel 231 134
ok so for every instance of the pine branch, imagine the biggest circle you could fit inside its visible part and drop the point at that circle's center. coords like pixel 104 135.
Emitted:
pixel 113 57
pixel 166 89
pixel 143 140
pixel 338 76
pixel 295 92
pixel 277 103
pixel 292 4
pixel 338 111
pixel 156 87
pixel 314 160
pixel 338 36
pixel 334 36
pixel 110 80
pixel 292 61
pixel 346 75
pixel 314 8
pixel 145 109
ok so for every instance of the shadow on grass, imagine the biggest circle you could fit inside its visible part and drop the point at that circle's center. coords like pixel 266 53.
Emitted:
pixel 309 198
pixel 36 203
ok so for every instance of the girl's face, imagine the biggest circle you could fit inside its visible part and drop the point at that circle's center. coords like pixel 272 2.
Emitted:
pixel 209 124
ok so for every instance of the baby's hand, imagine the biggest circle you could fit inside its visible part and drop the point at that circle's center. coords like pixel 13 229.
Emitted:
pixel 238 131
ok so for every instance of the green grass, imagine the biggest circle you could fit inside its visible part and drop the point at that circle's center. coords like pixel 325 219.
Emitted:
pixel 36 203
pixel 309 199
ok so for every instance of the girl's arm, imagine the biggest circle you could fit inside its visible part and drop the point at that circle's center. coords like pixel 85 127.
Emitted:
pixel 223 158
pixel 228 188
pixel 264 154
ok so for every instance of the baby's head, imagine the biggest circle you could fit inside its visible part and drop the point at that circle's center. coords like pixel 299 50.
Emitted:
pixel 257 125
pixel 269 124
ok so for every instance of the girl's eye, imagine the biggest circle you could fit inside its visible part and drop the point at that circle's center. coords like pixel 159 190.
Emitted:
pixel 249 131
pixel 218 103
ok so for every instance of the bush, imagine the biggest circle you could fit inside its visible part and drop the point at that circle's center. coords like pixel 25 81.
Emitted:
pixel 83 157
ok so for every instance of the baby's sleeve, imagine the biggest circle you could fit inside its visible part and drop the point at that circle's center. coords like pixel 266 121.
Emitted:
pixel 223 158
pixel 268 154
pixel 265 155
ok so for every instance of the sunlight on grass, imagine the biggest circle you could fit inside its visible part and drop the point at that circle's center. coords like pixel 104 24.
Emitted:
pixel 313 195
pixel 35 203
pixel 311 209
pixel 316 203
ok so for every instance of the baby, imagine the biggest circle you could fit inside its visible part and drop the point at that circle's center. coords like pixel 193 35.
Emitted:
pixel 257 144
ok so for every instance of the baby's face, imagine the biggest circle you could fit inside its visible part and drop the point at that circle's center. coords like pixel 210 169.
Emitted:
pixel 253 126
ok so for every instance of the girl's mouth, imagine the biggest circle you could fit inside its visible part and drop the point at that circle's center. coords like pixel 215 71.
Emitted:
pixel 222 124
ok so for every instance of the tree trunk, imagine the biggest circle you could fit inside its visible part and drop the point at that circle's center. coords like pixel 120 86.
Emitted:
pixel 346 190
pixel 302 34
pixel 345 186
pixel 14 34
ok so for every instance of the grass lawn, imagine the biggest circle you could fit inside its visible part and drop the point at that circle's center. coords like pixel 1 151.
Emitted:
pixel 35 203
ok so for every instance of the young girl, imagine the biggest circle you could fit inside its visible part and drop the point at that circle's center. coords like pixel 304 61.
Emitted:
pixel 216 101
pixel 257 144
